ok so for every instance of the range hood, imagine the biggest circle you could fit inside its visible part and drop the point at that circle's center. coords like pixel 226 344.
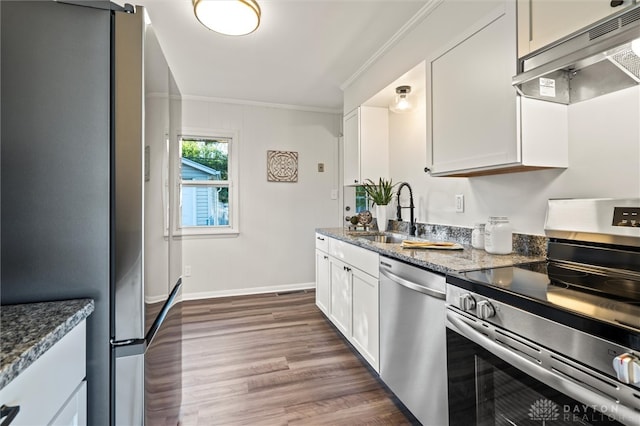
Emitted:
pixel 591 62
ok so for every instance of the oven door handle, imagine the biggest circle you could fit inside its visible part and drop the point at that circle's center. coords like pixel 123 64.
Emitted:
pixel 580 393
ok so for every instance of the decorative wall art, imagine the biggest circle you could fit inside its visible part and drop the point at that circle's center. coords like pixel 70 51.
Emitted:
pixel 282 166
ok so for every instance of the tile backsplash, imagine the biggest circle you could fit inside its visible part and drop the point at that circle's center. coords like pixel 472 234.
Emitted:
pixel 524 244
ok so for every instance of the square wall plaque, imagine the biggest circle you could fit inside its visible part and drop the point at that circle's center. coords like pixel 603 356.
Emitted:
pixel 282 166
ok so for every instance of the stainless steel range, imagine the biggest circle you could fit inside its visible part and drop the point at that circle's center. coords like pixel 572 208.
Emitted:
pixel 556 342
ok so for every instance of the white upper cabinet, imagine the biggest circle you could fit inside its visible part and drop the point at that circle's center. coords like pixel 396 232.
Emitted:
pixel 541 22
pixel 476 124
pixel 366 145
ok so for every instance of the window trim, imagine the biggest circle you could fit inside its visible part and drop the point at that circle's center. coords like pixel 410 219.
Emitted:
pixel 233 229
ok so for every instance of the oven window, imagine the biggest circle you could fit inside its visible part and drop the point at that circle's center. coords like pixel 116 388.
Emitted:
pixel 484 390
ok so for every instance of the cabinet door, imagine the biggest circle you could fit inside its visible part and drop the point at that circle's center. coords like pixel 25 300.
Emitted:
pixel 74 412
pixel 340 307
pixel 472 113
pixel 323 281
pixel 365 335
pixel 351 150
pixel 366 145
pixel 374 143
pixel 542 21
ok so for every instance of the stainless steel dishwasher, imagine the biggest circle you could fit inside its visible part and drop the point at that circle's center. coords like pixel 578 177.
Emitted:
pixel 413 361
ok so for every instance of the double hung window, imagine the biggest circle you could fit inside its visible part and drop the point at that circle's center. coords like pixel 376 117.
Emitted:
pixel 207 172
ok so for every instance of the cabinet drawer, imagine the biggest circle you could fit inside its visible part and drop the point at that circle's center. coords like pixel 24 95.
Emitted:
pixel 363 259
pixel 44 387
pixel 322 243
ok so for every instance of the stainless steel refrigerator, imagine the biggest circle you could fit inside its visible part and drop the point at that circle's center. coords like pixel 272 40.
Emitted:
pixel 73 193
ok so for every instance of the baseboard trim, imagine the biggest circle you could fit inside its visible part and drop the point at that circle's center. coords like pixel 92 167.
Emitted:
pixel 248 291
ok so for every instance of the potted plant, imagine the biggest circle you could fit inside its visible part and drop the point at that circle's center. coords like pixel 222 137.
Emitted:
pixel 381 194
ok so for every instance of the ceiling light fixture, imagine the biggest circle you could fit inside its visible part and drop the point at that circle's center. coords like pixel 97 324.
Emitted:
pixel 401 102
pixel 230 17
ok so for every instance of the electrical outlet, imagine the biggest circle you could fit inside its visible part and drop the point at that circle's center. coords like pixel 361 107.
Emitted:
pixel 187 270
pixel 459 203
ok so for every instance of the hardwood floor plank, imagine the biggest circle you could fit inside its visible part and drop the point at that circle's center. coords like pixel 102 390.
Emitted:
pixel 336 410
pixel 273 359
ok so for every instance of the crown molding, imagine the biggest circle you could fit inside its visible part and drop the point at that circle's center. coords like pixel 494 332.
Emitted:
pixel 261 104
pixel 424 11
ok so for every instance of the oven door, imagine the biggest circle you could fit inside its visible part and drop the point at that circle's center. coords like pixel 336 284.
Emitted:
pixel 491 385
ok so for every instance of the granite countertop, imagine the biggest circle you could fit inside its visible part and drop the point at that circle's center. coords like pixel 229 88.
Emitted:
pixel 29 330
pixel 444 261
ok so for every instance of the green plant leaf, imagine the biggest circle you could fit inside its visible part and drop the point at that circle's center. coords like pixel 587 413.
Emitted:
pixel 382 193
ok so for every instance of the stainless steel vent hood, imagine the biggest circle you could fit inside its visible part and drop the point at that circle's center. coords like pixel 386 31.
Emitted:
pixel 591 62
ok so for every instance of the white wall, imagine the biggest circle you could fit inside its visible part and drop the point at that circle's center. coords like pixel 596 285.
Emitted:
pixel 275 248
pixel 604 142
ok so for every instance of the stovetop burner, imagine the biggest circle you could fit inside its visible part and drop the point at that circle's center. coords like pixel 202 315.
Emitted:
pixel 598 282
pixel 556 271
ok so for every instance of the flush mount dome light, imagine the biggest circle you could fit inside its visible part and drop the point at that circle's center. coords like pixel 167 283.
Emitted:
pixel 401 102
pixel 230 17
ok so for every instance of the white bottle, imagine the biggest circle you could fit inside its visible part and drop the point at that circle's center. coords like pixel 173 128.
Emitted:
pixel 477 236
pixel 498 235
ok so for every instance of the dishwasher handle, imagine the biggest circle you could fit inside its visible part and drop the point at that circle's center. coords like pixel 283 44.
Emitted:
pixel 413 286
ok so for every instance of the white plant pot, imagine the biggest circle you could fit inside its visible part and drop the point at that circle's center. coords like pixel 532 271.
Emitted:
pixel 382 215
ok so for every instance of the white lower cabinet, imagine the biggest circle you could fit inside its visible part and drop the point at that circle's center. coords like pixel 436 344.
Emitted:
pixel 74 412
pixel 323 290
pixel 365 306
pixel 340 313
pixel 353 280
pixel 52 390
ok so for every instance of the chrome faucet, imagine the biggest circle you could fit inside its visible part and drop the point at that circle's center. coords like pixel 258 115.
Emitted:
pixel 412 225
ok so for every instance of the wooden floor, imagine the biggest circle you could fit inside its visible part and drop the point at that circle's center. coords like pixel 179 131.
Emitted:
pixel 274 360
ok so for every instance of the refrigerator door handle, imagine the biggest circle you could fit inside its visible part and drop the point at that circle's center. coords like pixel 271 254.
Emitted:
pixel 125 342
pixel 163 312
pixel 129 347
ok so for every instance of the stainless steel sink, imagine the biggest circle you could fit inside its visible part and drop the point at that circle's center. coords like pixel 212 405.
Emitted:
pixel 386 237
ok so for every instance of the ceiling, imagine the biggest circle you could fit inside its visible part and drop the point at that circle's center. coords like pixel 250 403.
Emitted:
pixel 301 54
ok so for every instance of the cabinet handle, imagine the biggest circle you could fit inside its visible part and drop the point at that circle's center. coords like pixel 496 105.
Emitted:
pixel 320 238
pixel 325 257
pixel 616 3
pixel 346 268
pixel 10 413
pixel 355 181
pixel 427 170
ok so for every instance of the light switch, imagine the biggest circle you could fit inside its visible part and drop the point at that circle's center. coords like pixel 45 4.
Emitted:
pixel 320 167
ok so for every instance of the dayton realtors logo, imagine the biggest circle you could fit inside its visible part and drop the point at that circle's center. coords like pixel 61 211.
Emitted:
pixel 544 410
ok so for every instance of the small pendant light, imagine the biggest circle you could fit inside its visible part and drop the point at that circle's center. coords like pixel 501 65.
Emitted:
pixel 401 102
pixel 230 17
